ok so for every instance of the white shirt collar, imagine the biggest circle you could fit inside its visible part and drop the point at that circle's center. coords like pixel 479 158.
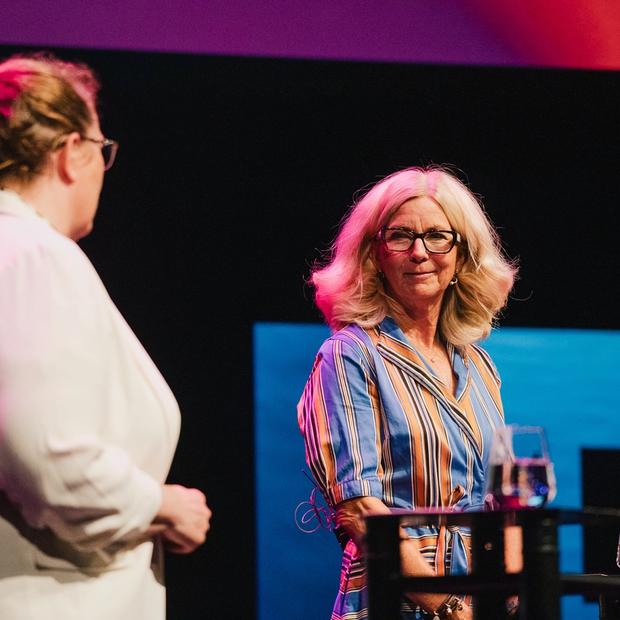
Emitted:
pixel 11 203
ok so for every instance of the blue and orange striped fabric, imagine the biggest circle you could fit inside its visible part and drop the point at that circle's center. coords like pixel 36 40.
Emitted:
pixel 377 421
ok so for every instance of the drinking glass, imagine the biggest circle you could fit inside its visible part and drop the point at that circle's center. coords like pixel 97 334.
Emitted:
pixel 521 471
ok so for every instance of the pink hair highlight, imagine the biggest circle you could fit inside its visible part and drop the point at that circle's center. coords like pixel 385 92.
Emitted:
pixel 10 89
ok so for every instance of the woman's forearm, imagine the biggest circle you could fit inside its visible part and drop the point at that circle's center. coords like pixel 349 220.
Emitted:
pixel 350 515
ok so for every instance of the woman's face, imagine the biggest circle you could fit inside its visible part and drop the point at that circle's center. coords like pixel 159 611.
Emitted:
pixel 417 278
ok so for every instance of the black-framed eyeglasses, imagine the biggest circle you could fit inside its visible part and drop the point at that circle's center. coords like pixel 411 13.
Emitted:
pixel 109 149
pixel 401 239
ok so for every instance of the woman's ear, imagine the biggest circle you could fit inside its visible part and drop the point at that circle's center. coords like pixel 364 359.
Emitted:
pixel 462 256
pixel 372 257
pixel 69 158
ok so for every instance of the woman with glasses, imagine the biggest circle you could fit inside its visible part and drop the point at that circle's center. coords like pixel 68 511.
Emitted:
pixel 88 426
pixel 401 404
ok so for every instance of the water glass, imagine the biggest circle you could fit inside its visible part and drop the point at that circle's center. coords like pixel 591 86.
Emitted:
pixel 521 472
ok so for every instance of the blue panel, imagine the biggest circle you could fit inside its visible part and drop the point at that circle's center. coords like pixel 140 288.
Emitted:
pixel 566 381
pixel 561 379
pixel 297 572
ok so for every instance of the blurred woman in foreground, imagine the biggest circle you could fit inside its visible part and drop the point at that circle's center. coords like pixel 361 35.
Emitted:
pixel 88 426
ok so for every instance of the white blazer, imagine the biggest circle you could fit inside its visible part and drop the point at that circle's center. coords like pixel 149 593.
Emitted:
pixel 88 429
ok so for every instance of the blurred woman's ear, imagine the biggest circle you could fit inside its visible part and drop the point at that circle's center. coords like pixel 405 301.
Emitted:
pixel 69 158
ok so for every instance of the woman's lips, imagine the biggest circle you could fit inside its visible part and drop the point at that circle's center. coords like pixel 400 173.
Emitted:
pixel 420 274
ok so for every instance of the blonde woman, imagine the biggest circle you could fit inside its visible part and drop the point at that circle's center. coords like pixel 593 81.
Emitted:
pixel 401 404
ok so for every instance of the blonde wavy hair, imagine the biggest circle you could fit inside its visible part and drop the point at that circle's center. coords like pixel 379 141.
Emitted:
pixel 349 289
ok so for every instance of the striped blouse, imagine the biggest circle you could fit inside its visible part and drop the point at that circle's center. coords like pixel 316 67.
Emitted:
pixel 377 421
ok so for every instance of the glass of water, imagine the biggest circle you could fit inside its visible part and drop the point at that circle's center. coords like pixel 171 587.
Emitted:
pixel 521 472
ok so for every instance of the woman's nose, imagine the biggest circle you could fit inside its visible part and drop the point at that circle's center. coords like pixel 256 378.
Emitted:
pixel 418 251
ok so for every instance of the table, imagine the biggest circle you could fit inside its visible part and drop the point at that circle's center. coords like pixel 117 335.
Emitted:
pixel 539 585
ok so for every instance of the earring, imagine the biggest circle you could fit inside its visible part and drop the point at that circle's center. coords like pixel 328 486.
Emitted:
pixel 381 276
pixel 454 280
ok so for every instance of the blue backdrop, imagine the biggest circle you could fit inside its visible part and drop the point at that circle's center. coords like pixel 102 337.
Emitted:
pixel 561 379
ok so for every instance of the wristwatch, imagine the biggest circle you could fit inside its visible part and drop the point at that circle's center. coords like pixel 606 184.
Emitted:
pixel 447 608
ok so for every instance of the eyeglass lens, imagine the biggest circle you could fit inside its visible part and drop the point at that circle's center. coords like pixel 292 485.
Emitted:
pixel 109 149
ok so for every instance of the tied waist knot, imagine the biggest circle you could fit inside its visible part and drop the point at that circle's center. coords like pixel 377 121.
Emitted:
pixel 450 538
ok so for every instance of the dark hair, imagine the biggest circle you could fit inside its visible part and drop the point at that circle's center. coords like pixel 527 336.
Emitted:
pixel 42 99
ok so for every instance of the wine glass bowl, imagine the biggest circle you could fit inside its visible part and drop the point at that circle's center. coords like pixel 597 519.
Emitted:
pixel 521 472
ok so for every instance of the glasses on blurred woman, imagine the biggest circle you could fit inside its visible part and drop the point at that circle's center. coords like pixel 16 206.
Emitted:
pixel 108 150
pixel 402 239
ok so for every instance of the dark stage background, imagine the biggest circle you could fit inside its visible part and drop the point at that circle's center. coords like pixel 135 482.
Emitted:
pixel 232 176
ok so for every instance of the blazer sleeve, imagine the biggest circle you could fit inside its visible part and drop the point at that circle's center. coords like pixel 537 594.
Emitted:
pixel 339 418
pixel 56 361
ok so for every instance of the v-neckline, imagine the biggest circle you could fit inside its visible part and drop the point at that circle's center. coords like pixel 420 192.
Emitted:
pixel 457 362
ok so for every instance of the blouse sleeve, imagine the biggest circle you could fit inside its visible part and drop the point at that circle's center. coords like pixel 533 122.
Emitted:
pixel 56 366
pixel 338 415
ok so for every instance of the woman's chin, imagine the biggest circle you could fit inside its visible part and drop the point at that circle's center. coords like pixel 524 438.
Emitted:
pixel 82 231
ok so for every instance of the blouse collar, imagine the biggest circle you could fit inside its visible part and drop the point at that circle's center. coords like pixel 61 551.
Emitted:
pixel 393 337
pixel 11 203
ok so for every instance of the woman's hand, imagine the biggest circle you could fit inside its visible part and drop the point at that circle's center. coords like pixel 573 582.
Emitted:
pixel 350 516
pixel 464 614
pixel 183 518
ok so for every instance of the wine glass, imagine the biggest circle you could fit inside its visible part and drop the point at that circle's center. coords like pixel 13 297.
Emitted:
pixel 520 469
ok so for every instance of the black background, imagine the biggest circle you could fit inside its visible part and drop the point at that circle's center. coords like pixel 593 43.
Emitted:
pixel 599 492
pixel 232 176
